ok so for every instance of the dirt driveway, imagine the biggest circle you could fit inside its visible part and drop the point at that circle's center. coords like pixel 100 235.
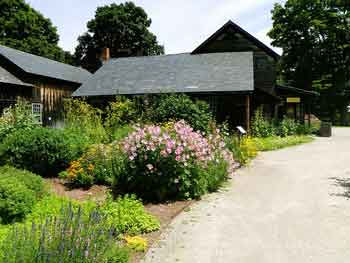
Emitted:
pixel 287 206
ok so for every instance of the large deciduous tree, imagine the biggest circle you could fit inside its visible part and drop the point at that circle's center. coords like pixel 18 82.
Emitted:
pixel 23 28
pixel 123 28
pixel 315 38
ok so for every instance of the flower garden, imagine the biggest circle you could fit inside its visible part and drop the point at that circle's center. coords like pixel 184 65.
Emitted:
pixel 154 154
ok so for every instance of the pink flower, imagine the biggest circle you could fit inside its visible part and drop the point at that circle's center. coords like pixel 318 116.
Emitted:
pixel 150 167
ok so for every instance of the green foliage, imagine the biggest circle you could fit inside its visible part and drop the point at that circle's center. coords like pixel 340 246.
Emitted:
pixel 30 180
pixel 128 215
pixel 17 117
pixel 165 108
pixel 120 113
pixel 16 200
pixel 117 26
pixel 243 149
pixel 84 119
pixel 43 151
pixel 97 165
pixel 288 127
pixel 23 28
pixel 315 51
pixel 275 143
pixel 260 126
pixel 71 236
pixel 19 190
pixel 121 132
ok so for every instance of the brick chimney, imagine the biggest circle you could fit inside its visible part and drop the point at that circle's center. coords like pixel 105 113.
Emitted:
pixel 105 54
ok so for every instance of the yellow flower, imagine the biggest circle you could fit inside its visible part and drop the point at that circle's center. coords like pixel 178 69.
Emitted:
pixel 136 243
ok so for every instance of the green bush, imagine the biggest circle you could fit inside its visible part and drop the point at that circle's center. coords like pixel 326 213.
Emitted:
pixel 287 127
pixel 167 108
pixel 84 119
pixel 96 166
pixel 30 180
pixel 128 215
pixel 43 151
pixel 120 113
pixel 243 149
pixel 260 126
pixel 16 200
pixel 71 236
pixel 17 117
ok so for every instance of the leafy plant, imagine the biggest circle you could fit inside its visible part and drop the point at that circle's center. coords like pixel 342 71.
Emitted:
pixel 85 120
pixel 97 166
pixel 17 117
pixel 260 126
pixel 16 200
pixel 43 151
pixel 136 243
pixel 287 127
pixel 19 191
pixel 128 216
pixel 120 113
pixel 243 149
pixel 30 180
pixel 167 108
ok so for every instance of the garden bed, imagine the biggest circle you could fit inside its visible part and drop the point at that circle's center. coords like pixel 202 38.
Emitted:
pixel 165 212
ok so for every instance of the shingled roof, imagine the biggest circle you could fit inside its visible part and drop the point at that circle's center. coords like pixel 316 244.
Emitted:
pixel 179 73
pixel 7 78
pixel 41 66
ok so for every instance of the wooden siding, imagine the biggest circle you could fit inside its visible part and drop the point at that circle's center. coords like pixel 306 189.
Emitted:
pixel 264 64
pixel 51 95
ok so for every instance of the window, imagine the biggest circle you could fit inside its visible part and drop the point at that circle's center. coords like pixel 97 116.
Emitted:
pixel 37 111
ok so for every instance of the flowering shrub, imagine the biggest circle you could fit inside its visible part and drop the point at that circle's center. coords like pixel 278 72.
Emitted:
pixel 173 163
pixel 94 167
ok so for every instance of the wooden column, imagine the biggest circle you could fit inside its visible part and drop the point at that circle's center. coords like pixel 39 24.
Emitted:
pixel 247 113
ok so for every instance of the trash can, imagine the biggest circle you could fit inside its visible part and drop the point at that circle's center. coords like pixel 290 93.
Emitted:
pixel 326 129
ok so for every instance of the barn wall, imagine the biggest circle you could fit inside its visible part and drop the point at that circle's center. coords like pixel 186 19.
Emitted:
pixel 51 96
pixel 264 64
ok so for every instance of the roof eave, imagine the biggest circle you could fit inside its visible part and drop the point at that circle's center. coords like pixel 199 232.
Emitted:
pixel 256 41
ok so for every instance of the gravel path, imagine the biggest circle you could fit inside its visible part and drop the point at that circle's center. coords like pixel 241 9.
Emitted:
pixel 287 206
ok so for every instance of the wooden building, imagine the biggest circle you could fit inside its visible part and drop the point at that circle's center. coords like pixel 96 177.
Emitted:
pixel 232 70
pixel 41 81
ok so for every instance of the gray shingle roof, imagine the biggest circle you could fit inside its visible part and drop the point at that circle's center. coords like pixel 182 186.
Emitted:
pixel 44 67
pixel 8 78
pixel 172 73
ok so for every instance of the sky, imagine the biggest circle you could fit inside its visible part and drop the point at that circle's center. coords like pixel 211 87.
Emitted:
pixel 180 25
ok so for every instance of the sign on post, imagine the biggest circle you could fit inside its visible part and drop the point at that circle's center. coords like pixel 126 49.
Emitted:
pixel 293 100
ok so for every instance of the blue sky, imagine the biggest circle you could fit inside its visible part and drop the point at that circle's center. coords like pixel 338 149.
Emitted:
pixel 180 25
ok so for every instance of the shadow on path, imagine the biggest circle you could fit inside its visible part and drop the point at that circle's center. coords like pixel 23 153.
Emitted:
pixel 344 183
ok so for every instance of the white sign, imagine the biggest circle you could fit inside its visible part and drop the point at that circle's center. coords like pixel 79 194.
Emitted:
pixel 241 130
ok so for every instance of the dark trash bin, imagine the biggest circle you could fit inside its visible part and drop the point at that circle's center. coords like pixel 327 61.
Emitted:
pixel 326 129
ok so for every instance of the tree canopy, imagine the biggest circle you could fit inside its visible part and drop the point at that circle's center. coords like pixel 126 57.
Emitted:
pixel 23 28
pixel 123 28
pixel 315 38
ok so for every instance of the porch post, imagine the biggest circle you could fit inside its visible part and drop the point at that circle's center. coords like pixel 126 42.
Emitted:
pixel 247 112
pixel 309 114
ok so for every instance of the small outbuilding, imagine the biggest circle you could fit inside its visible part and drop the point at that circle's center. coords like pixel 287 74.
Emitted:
pixel 232 70
pixel 41 81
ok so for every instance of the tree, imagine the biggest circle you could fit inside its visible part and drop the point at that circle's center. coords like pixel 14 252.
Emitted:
pixel 123 28
pixel 23 28
pixel 315 37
